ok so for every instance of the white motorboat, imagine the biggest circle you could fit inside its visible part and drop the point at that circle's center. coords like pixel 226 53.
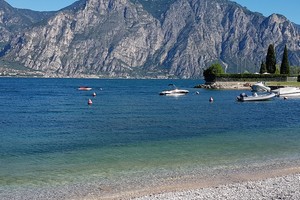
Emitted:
pixel 284 91
pixel 174 92
pixel 255 97
pixel 260 87
pixel 84 88
pixel 287 92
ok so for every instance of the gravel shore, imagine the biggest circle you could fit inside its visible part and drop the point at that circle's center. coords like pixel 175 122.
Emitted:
pixel 278 187
pixel 285 187
pixel 227 85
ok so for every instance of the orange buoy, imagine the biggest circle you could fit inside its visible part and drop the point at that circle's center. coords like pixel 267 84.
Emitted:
pixel 90 102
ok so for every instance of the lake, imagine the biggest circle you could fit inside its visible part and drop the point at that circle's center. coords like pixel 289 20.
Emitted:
pixel 50 136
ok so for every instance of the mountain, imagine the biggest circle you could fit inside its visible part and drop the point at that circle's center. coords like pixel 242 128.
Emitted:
pixel 147 38
pixel 13 20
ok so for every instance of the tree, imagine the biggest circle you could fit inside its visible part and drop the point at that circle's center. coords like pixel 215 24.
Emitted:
pixel 214 69
pixel 285 66
pixel 211 72
pixel 263 68
pixel 271 60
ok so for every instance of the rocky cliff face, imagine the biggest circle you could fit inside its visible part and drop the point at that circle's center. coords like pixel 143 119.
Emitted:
pixel 13 20
pixel 123 38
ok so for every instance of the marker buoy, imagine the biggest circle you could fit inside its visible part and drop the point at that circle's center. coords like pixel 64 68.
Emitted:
pixel 94 94
pixel 90 102
pixel 285 98
pixel 211 99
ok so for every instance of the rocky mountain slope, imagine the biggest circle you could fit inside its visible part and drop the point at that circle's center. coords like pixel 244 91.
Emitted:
pixel 14 20
pixel 154 38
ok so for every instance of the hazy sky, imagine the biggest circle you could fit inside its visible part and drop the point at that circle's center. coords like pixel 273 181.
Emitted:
pixel 288 8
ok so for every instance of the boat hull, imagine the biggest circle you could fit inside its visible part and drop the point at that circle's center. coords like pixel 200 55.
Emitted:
pixel 288 92
pixel 263 97
pixel 84 88
pixel 176 92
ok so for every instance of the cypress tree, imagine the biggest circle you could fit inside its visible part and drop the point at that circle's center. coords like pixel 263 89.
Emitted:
pixel 271 60
pixel 285 66
pixel 263 68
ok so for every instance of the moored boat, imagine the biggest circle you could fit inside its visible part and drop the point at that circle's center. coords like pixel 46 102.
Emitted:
pixel 282 91
pixel 287 92
pixel 255 97
pixel 260 87
pixel 174 92
pixel 84 88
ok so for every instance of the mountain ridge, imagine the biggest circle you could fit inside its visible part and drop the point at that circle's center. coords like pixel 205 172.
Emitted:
pixel 125 38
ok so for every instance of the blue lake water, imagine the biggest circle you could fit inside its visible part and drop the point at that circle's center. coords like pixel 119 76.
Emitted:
pixel 50 136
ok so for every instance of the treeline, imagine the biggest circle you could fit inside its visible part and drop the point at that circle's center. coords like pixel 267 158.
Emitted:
pixel 269 66
pixel 268 70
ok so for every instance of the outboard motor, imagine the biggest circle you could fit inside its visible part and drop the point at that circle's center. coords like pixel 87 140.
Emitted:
pixel 241 96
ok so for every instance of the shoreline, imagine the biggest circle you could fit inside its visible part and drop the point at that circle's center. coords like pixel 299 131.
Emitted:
pixel 227 85
pixel 242 85
pixel 244 185
pixel 278 187
pixel 258 181
pixel 197 186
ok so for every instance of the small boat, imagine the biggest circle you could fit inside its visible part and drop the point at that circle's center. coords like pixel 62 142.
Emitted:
pixel 84 88
pixel 287 92
pixel 283 91
pixel 260 87
pixel 174 92
pixel 255 97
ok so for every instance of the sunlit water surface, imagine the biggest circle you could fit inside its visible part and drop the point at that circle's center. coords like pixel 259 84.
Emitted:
pixel 50 136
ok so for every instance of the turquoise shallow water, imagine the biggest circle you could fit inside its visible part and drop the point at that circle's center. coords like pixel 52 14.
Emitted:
pixel 50 136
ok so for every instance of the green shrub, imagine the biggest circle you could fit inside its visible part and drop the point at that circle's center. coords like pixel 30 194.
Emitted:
pixel 246 77
pixel 210 73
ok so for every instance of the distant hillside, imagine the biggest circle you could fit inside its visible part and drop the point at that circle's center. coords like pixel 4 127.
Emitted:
pixel 144 38
pixel 13 20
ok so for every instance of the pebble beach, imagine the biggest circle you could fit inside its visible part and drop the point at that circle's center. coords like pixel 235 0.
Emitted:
pixel 284 187
pixel 269 183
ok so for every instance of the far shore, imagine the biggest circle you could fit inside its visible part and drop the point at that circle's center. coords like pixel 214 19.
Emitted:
pixel 227 85
pixel 243 85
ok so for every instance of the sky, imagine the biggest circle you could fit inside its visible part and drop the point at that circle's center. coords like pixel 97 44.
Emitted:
pixel 288 8
pixel 41 5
